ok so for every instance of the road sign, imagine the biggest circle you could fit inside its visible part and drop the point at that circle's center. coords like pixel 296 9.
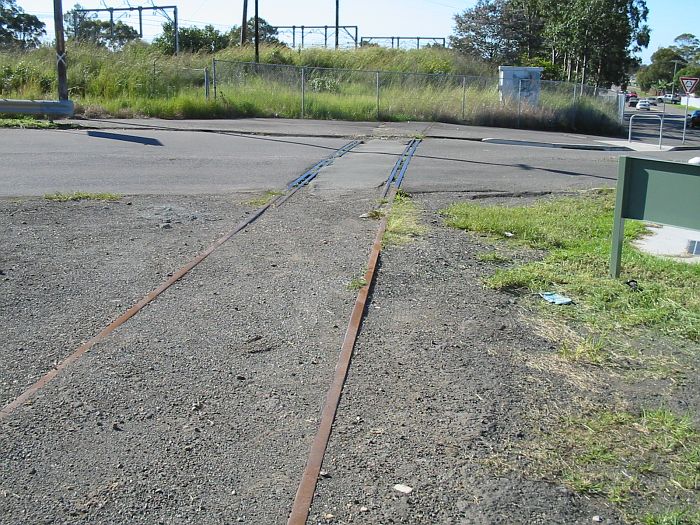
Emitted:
pixel 689 84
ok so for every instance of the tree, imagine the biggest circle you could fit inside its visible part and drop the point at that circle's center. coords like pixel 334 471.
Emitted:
pixel 688 46
pixel 595 39
pixel 86 27
pixel 17 28
pixel 192 39
pixel 661 69
pixel 490 31
pixel 268 34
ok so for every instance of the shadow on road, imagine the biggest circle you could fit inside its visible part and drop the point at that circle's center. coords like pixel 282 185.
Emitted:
pixel 146 141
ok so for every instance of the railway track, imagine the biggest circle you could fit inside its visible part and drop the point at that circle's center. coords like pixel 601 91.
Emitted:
pixel 305 490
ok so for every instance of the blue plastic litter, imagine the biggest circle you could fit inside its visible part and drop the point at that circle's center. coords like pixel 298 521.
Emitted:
pixel 555 298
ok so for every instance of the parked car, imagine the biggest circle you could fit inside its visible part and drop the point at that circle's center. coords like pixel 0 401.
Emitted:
pixel 694 118
pixel 669 99
pixel 652 100
pixel 644 104
pixel 633 102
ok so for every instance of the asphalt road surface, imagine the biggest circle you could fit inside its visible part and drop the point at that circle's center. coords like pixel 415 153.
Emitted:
pixel 148 161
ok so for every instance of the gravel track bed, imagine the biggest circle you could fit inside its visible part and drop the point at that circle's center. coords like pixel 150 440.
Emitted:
pixel 69 268
pixel 202 408
pixel 443 377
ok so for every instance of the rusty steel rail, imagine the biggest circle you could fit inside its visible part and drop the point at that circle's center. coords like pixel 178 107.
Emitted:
pixel 305 492
pixel 49 376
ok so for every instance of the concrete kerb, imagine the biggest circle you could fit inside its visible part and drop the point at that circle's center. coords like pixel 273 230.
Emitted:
pixel 561 145
pixel 610 145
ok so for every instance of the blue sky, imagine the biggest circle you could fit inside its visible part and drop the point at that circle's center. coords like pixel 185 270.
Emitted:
pixel 374 17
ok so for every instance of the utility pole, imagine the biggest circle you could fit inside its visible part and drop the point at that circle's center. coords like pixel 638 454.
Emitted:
pixel 673 80
pixel 337 21
pixel 244 24
pixel 257 34
pixel 61 65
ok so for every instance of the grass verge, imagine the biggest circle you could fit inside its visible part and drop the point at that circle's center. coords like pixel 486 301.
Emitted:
pixel 647 463
pixel 403 224
pixel 576 234
pixel 80 196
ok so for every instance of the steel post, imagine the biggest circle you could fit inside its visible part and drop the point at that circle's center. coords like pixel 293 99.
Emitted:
pixel 213 75
pixel 464 97
pixel 377 95
pixel 520 85
pixel 303 90
pixel 685 116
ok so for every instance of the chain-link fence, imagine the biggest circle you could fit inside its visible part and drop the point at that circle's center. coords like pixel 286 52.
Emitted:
pixel 311 92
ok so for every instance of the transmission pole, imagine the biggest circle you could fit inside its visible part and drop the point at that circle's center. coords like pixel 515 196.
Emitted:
pixel 337 21
pixel 257 34
pixel 60 51
pixel 244 24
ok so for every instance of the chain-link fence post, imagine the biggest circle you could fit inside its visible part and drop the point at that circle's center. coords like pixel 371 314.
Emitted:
pixel 213 75
pixel 303 90
pixel 206 83
pixel 464 97
pixel 377 96
pixel 520 89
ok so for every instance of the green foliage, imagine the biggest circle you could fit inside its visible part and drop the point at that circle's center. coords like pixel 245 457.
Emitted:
pixel 688 46
pixel 661 70
pixel 18 30
pixel 139 81
pixel 191 39
pixel 88 28
pixel 589 40
pixel 576 233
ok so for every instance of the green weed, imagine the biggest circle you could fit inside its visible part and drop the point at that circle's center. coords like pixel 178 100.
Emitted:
pixel 81 195
pixel 265 198
pixel 403 224
pixel 674 517
pixel 26 123
pixel 493 257
pixel 356 283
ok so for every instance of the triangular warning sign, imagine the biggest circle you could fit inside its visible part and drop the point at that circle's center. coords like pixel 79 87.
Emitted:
pixel 689 83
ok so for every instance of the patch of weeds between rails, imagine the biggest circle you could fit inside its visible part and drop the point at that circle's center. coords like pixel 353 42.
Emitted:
pixel 81 196
pixel 644 462
pixel 265 198
pixel 403 224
